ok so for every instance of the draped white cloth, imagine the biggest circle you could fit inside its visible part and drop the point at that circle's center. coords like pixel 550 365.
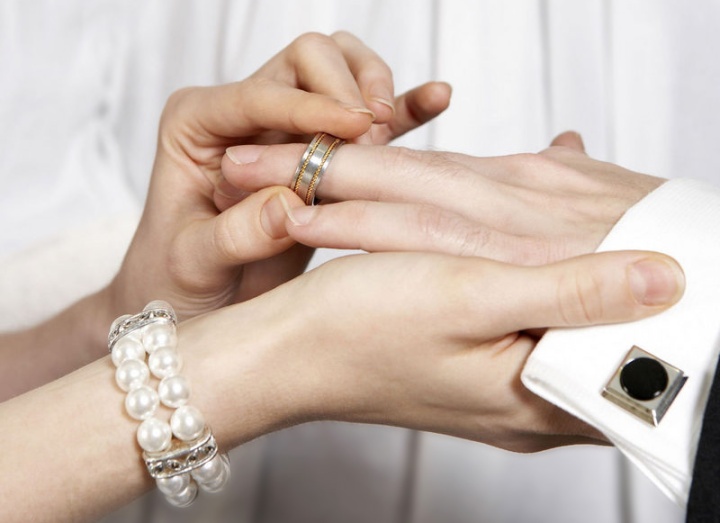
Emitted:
pixel 82 86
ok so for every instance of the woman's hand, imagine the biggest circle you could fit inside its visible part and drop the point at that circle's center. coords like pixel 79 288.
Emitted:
pixel 188 252
pixel 527 208
pixel 198 258
pixel 425 341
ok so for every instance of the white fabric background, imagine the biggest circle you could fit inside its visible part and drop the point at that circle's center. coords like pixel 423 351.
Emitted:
pixel 82 84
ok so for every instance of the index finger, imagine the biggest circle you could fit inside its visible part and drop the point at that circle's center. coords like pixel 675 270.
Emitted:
pixel 241 109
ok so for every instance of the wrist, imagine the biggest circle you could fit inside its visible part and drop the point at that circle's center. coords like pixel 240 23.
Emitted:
pixel 238 382
pixel 99 310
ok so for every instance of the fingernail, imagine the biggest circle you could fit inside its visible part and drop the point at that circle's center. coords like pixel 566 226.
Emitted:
pixel 272 216
pixel 241 154
pixel 302 215
pixel 226 189
pixel 361 110
pixel 656 282
pixel 289 213
pixel 384 101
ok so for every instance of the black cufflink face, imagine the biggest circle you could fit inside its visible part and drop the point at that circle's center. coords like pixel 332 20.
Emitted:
pixel 644 385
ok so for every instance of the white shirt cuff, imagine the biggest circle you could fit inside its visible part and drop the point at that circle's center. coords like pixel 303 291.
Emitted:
pixel 570 367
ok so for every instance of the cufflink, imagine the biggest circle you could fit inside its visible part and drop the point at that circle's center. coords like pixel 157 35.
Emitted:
pixel 644 385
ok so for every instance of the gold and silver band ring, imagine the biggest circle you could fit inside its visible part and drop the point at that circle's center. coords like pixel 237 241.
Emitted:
pixel 313 164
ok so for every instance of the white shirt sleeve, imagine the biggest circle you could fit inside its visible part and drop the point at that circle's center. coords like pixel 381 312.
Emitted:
pixel 570 367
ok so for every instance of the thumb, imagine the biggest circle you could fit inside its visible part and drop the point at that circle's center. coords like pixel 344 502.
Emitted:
pixel 608 287
pixel 251 230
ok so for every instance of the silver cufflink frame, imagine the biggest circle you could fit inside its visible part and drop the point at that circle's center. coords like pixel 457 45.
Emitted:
pixel 653 410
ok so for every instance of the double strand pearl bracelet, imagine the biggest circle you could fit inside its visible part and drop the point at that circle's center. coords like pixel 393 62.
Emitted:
pixel 182 454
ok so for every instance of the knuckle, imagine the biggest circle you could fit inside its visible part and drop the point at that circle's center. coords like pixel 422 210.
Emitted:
pixel 177 117
pixel 344 36
pixel 421 166
pixel 444 167
pixel 177 101
pixel 530 162
pixel 226 244
pixel 525 250
pixel 434 223
pixel 580 297
pixel 311 43
pixel 400 156
pixel 396 161
pixel 472 241
pixel 428 171
pixel 375 70
pixel 453 233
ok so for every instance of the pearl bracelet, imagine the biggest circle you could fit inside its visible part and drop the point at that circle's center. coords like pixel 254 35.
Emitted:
pixel 190 459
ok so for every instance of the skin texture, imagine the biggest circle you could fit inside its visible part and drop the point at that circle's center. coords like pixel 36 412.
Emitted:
pixel 188 252
pixel 394 338
pixel 527 209
pixel 198 258
pixel 428 341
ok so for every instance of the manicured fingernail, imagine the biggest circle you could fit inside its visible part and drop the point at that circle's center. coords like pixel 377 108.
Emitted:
pixel 656 282
pixel 384 101
pixel 241 154
pixel 361 110
pixel 272 216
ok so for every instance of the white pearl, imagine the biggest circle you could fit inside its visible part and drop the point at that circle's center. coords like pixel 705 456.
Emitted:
pixel 142 402
pixel 174 485
pixel 127 348
pixel 158 335
pixel 174 391
pixel 219 482
pixel 154 435
pixel 187 423
pixel 165 362
pixel 210 471
pixel 135 334
pixel 184 498
pixel 157 304
pixel 132 374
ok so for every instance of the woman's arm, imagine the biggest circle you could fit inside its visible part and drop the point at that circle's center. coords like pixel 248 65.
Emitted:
pixel 70 452
pixel 65 342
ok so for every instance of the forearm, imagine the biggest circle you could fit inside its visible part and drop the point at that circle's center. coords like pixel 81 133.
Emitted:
pixel 73 338
pixel 74 446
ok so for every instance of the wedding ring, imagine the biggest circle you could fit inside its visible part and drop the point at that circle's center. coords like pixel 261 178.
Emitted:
pixel 313 164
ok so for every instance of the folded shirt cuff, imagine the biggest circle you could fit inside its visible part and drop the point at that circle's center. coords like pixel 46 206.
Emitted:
pixel 571 367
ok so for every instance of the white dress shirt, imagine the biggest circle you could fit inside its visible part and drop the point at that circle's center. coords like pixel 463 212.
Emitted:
pixel 570 367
